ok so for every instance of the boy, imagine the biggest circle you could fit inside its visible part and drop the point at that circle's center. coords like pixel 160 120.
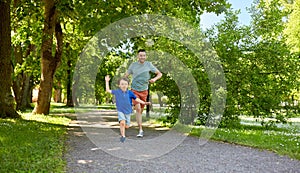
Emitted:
pixel 123 103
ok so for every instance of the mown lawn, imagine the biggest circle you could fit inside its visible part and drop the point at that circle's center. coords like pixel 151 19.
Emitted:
pixel 32 144
pixel 279 140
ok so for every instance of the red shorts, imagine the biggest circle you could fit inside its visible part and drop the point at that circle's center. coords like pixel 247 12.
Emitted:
pixel 141 95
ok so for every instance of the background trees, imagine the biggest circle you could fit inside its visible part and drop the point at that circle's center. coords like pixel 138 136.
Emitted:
pixel 261 72
pixel 26 23
pixel 261 61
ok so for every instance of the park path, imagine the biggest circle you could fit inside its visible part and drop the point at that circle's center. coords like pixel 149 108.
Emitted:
pixel 93 146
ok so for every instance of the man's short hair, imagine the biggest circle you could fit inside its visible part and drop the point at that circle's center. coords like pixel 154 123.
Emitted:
pixel 141 50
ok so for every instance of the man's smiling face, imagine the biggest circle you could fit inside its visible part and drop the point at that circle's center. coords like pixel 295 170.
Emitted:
pixel 142 57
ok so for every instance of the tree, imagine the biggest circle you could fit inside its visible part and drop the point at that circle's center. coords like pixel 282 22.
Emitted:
pixel 278 66
pixel 49 63
pixel 293 26
pixel 259 68
pixel 292 31
pixel 6 99
pixel 27 26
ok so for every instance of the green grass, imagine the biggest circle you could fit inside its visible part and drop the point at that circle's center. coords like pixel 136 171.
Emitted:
pixel 107 106
pixel 278 140
pixel 34 143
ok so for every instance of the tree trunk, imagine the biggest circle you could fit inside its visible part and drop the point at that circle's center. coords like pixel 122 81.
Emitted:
pixel 26 93
pixel 6 99
pixel 57 93
pixel 159 95
pixel 70 102
pixel 49 63
pixel 74 89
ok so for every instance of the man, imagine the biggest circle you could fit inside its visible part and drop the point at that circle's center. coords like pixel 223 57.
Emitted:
pixel 140 81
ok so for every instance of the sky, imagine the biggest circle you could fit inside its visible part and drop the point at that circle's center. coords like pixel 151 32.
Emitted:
pixel 209 19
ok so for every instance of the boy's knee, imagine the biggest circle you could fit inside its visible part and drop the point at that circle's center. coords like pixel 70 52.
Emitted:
pixel 122 122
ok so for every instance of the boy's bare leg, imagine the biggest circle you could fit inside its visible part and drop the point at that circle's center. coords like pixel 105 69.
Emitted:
pixel 122 128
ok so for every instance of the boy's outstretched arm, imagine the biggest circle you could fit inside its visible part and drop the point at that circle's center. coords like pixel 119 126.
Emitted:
pixel 142 102
pixel 107 78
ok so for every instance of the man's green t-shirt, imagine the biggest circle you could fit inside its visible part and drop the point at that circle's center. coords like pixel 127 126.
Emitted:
pixel 140 75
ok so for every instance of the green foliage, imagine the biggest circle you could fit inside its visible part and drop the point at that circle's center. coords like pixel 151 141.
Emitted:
pixel 261 72
pixel 95 15
pixel 26 23
pixel 292 26
pixel 112 65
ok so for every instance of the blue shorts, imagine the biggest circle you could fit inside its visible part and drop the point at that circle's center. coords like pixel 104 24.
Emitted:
pixel 126 117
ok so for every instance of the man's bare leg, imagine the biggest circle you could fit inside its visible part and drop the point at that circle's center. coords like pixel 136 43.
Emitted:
pixel 139 119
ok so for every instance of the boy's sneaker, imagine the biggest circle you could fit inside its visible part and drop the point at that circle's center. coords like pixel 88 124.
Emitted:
pixel 140 135
pixel 122 139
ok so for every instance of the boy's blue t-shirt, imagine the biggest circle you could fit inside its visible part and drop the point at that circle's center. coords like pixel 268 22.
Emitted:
pixel 124 100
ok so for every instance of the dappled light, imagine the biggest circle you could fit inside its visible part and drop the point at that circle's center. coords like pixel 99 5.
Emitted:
pixel 220 95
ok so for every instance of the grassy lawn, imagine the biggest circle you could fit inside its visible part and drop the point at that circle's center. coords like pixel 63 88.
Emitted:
pixel 34 143
pixel 283 141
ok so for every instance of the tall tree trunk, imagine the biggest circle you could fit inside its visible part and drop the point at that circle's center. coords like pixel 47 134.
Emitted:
pixel 70 102
pixel 6 99
pixel 49 63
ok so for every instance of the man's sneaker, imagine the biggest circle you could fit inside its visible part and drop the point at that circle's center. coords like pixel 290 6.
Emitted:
pixel 122 139
pixel 140 135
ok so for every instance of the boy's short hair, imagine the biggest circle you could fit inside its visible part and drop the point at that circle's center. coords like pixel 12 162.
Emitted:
pixel 123 78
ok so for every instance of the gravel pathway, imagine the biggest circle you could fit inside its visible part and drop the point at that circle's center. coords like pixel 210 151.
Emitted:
pixel 93 146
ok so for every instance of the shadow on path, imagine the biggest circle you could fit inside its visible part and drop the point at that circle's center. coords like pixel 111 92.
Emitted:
pixel 89 152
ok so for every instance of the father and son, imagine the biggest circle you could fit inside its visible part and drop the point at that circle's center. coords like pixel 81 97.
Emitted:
pixel 137 96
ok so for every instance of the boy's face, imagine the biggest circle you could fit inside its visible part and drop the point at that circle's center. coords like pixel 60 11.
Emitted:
pixel 123 85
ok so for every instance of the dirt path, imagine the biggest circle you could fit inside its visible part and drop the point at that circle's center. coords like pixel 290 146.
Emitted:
pixel 93 146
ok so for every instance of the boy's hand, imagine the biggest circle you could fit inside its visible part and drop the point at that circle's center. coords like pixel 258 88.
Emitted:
pixel 107 78
pixel 147 103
